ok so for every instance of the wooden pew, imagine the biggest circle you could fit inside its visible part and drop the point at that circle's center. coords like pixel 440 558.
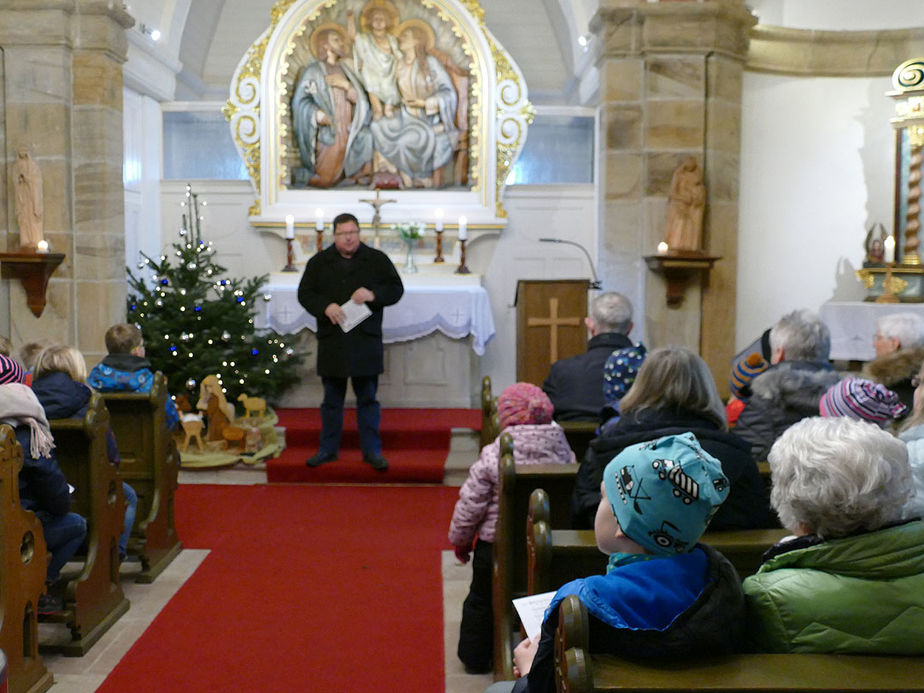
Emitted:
pixel 509 578
pixel 578 671
pixel 490 424
pixel 579 435
pixel 150 464
pixel 556 556
pixel 23 567
pixel 93 600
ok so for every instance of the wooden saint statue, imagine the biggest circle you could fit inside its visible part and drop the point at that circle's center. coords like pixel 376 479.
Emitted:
pixel 685 208
pixel 27 180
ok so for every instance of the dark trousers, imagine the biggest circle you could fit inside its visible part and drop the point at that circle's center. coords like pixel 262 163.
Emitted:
pixel 64 535
pixel 368 413
pixel 476 632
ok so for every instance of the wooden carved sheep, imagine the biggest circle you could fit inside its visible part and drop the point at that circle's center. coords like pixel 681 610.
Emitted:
pixel 253 406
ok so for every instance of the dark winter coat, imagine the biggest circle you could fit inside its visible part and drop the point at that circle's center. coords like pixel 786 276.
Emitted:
pixel 895 371
pixel 63 398
pixel 575 384
pixel 42 485
pixel 331 278
pixel 746 507
pixel 782 395
pixel 711 625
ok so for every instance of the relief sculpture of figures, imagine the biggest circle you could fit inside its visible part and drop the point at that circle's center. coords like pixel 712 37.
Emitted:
pixel 685 207
pixel 380 102
pixel 330 113
pixel 420 138
pixel 27 180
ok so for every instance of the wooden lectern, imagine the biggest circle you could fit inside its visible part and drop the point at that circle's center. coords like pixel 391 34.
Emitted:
pixel 550 324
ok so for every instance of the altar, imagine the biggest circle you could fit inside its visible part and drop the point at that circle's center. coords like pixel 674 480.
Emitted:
pixel 853 324
pixel 433 338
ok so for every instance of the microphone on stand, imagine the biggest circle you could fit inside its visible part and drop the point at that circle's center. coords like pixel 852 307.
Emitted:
pixel 596 284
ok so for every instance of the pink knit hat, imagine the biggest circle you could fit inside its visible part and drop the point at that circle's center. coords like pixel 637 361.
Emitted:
pixel 858 398
pixel 523 403
pixel 11 371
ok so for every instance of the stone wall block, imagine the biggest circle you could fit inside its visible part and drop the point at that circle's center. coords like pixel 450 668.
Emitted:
pixel 623 126
pixel 723 126
pixel 675 77
pixel 22 22
pixel 101 304
pixel 54 323
pixel 722 176
pixel 97 80
pixel 723 79
pixel 99 256
pixel 621 80
pixel 95 197
pixel 624 175
pixel 38 74
pixel 661 166
pixel 622 229
pixel 674 124
pixel 40 126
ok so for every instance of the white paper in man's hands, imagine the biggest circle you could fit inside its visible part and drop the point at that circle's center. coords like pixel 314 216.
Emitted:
pixel 355 313
pixel 531 609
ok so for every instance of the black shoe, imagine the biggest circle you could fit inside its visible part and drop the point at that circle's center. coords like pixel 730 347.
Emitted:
pixel 477 671
pixel 320 458
pixel 377 462
pixel 49 604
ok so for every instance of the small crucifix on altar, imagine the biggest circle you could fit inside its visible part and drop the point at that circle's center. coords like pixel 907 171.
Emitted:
pixel 377 216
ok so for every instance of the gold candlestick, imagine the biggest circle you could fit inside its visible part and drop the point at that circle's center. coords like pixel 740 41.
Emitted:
pixel 887 295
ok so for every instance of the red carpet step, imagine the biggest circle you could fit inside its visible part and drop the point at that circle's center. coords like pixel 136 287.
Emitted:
pixel 414 441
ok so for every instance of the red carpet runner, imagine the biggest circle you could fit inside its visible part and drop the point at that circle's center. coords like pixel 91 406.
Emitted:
pixel 307 588
pixel 415 442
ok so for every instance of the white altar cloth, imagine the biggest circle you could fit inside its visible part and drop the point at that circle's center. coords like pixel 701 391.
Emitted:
pixel 457 310
pixel 853 324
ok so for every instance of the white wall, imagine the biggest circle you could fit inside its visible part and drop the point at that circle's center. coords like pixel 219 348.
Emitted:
pixel 816 171
pixel 141 171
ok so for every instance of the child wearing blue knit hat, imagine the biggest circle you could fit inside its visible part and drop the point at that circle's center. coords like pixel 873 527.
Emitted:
pixel 664 594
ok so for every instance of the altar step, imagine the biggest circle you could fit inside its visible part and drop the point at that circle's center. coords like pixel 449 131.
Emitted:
pixel 416 443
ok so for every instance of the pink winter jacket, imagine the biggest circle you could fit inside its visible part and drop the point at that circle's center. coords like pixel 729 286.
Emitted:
pixel 476 509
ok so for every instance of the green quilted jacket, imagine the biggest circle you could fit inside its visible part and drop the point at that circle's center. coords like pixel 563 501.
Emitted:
pixel 860 594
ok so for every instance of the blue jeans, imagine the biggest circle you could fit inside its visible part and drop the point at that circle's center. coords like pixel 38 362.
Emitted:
pixel 131 504
pixel 64 534
pixel 368 414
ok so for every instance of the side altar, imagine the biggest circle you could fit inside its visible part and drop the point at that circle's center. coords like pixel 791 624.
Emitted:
pixel 433 338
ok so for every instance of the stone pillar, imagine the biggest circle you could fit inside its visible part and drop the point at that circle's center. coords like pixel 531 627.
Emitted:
pixel 670 87
pixel 63 73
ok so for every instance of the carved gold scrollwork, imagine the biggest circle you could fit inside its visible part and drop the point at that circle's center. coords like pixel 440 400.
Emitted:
pixel 909 76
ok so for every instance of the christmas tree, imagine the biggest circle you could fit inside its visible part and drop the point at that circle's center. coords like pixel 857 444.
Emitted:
pixel 198 322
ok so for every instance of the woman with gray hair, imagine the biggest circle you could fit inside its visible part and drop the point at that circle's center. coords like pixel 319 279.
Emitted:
pixel 851 579
pixel 899 345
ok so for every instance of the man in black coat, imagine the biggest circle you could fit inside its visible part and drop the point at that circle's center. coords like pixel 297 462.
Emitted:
pixel 349 270
pixel 575 384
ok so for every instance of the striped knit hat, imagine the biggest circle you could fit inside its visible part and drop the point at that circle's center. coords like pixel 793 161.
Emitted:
pixel 745 371
pixel 11 371
pixel 861 399
pixel 523 403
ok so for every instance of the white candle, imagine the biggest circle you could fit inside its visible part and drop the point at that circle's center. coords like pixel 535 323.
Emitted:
pixel 439 220
pixel 290 226
pixel 663 248
pixel 319 219
pixel 889 245
pixel 463 228
pixel 42 246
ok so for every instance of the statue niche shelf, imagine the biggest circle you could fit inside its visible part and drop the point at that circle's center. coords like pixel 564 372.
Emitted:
pixel 678 267
pixel 34 271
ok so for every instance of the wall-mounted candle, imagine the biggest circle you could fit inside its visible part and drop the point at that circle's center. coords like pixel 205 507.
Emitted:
pixel 42 246
pixel 290 226
pixel 889 246
pixel 663 248
pixel 463 228
pixel 319 219
pixel 438 225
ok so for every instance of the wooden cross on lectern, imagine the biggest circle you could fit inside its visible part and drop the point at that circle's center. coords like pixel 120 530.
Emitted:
pixel 553 322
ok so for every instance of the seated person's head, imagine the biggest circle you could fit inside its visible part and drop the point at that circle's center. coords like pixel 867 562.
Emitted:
pixel 799 336
pixel 675 378
pixel 11 371
pixel 837 477
pixel 610 312
pixel 863 400
pixel 60 358
pixel 124 338
pixel 658 497
pixel 28 352
pixel 6 346
pixel 898 331
pixel 523 403
pixel 619 372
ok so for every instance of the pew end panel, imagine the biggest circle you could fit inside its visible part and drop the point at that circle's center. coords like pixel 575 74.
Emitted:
pixel 22 576
pixel 510 563
pixel 150 465
pixel 94 600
